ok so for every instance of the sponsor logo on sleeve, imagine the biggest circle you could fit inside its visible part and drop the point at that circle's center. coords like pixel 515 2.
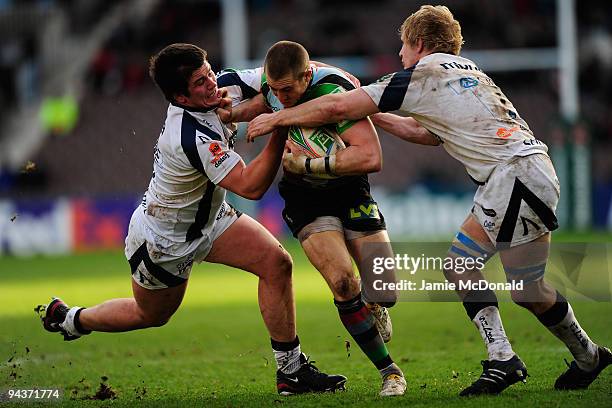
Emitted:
pixel 506 133
pixel 219 155
pixel 215 149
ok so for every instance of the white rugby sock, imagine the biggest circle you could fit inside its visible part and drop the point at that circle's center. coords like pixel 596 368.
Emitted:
pixel 69 324
pixel 288 362
pixel 489 324
pixel 577 341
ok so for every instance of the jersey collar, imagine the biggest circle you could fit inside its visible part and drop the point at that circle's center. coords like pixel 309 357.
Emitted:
pixel 190 109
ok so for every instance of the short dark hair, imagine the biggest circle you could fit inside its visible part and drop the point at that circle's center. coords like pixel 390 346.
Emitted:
pixel 172 67
pixel 286 57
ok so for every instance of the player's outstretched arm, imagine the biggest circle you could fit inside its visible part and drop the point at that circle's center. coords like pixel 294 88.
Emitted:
pixel 406 128
pixel 253 180
pixel 332 108
pixel 244 111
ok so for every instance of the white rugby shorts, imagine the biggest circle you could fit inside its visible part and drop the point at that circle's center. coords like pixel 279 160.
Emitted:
pixel 517 203
pixel 158 263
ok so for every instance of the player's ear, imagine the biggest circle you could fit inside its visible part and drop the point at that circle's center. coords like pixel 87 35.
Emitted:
pixel 180 99
pixel 420 46
pixel 307 74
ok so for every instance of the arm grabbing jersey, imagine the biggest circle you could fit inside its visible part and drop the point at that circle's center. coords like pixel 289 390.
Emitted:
pixel 451 97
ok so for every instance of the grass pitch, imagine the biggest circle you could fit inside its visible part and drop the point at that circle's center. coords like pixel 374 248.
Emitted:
pixel 215 351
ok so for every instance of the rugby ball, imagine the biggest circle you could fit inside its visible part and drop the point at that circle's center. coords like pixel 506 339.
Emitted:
pixel 315 142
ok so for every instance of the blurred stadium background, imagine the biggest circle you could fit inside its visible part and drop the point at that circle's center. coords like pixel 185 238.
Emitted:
pixel 78 121
pixel 79 116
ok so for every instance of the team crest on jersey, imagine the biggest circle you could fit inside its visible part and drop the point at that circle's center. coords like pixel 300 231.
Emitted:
pixel 468 82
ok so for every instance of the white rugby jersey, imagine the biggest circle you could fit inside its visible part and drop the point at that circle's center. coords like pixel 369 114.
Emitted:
pixel 451 97
pixel 194 152
pixel 241 84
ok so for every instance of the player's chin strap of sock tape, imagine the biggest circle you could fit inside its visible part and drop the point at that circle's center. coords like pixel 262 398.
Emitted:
pixel 321 165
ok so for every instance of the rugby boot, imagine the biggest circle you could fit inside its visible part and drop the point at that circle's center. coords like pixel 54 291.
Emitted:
pixel 497 376
pixel 393 385
pixel 577 379
pixel 382 320
pixel 308 378
pixel 53 317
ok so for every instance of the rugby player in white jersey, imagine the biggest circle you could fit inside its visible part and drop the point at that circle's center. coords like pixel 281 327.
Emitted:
pixel 184 218
pixel 451 101
pixel 333 218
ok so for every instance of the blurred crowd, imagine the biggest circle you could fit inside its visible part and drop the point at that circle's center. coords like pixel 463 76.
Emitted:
pixel 120 111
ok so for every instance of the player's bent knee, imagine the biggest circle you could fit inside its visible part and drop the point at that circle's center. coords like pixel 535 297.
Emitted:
pixel 156 320
pixel 285 262
pixel 519 298
pixel 281 264
pixel 160 322
pixel 535 296
pixel 345 287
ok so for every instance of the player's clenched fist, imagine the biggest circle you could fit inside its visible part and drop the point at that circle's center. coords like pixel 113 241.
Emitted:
pixel 260 126
pixel 294 161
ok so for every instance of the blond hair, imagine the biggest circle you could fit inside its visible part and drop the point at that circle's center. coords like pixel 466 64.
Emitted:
pixel 436 27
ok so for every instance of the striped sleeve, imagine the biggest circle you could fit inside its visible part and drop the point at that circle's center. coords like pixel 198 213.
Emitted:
pixel 389 92
pixel 206 150
pixel 241 84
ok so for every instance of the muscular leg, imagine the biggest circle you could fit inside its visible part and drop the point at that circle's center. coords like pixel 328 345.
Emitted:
pixel 503 367
pixel 247 245
pixel 148 308
pixel 481 305
pixel 527 263
pixel 328 253
pixel 260 253
pixel 364 250
pixel 473 231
